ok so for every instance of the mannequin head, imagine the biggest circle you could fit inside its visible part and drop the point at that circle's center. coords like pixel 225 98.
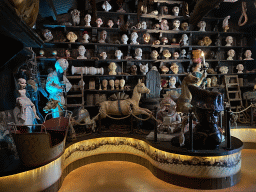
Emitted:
pixel 184 26
pixel 133 70
pixel 122 83
pixel 174 68
pixel 240 68
pixel 201 25
pixel 172 82
pixel 22 83
pixel 176 24
pixel 229 40
pixel 209 81
pixel 112 84
pixel 124 38
pixel 117 83
pixel 118 54
pixel 81 50
pixel 175 10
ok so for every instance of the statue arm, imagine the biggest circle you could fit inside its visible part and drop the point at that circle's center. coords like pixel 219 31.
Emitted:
pixel 51 86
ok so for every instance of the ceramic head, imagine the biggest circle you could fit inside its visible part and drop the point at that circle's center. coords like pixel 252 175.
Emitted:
pixel 110 23
pixel 176 10
pixel 146 37
pixel 47 35
pixel 184 26
pixel 61 65
pixel 133 69
pixel 176 24
pixel 124 38
pixel 174 68
pixel 71 36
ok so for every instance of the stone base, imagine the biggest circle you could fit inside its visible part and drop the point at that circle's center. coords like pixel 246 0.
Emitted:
pixel 162 136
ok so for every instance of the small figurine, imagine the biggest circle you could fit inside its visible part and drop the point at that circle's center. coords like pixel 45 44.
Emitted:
pixel 138 26
pixel 209 81
pixel 122 83
pixel 105 84
pixel 99 22
pixel 164 83
pixel 146 37
pixel 81 51
pixel 223 69
pixel 174 41
pixel 47 35
pixel 184 26
pixel 201 25
pixel 164 69
pixel 248 55
pixel 143 68
pixel 231 54
pixel 229 40
pixel 240 68
pixel 176 11
pixel 118 54
pixel 134 37
pixel 164 25
pixel 138 53
pixel 176 55
pixel 118 22
pixel 176 25
pixel 75 17
pixel 156 26
pixel 112 68
pixel 106 6
pixel 72 37
pixel 164 40
pixel 156 42
pixel 67 54
pixel 174 68
pixel 86 37
pixel 225 24
pixel 214 81
pixel 103 36
pixel 165 10
pixel 207 41
pixel 117 83
pixel 154 54
pixel 41 53
pixel 183 53
pixel 143 25
pixel 110 23
pixel 104 55
pixel 87 20
pixel 124 38
pixel 54 53
pixel 184 40
pixel 133 70
pixel 172 82
pixel 167 54
pixel 200 43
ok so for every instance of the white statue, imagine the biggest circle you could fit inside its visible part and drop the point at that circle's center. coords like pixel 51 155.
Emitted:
pixel 118 54
pixel 110 23
pixel 176 25
pixel 240 68
pixel 81 51
pixel 225 24
pixel 75 17
pixel 103 37
pixel 172 82
pixel 164 25
pixel 112 68
pixel 176 11
pixel 229 40
pixel 138 53
pixel 104 55
pixel 143 68
pixel 134 37
pixel 183 53
pixel 86 37
pixel 72 37
pixel 122 83
pixel 154 54
pixel 184 40
pixel 248 55
pixel 106 6
pixel 99 22
pixel 223 69
pixel 87 20
pixel 143 25
pixel 124 38
pixel 231 54
pixel 201 25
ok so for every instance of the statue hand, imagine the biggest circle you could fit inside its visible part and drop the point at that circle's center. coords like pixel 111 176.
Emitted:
pixel 37 117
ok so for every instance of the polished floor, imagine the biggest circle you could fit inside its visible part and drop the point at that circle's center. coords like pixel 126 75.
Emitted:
pixel 115 176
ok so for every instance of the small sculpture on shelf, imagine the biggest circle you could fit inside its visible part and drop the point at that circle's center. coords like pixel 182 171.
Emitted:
pixel 183 53
pixel 229 41
pixel 146 37
pixel 164 25
pixel 176 55
pixel 201 25
pixel 87 20
pixel 184 26
pixel 144 9
pixel 172 82
pixel 105 84
pixel 156 26
pixel 75 14
pixel 207 41
pixel 110 23
pixel 155 12
pixel 138 54
pixel 209 81
pixel 117 83
pixel 176 25
pixel 166 53
pixel 124 38
pixel 143 25
pixel 164 69
pixel 67 54
pixel 197 68
pixel 122 83
pixel 231 54
pixel 133 70
pixel 103 36
pixel 248 55
pixel 134 37
pixel 54 54
pixel 154 54
pixel 223 69
pixel 214 81
pixel 86 37
pixel 156 42
pixel 164 40
pixel 99 22
pixel 104 55
pixel 143 68
pixel 41 54
pixel 240 68
pixel 118 54
pixel 225 24
pixel 72 37
pixel 174 68
pixel 165 10
pixel 164 83
pixel 81 51
pixel 47 35
pixel 200 43
pixel 106 6
pixel 112 68
pixel 176 11
pixel 184 40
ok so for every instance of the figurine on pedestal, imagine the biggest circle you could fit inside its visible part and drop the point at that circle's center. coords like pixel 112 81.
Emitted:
pixel 167 54
pixel 184 26
pixel 143 68
pixel 225 24
pixel 27 113
pixel 75 14
pixel 183 53
pixel 103 36
pixel 99 22
pixel 138 54
pixel 172 82
pixel 231 54
pixel 86 37
pixel 72 37
pixel 240 68
pixel 164 25
pixel 154 54
pixel 146 37
pixel 201 25
pixel 229 41
pixel 110 23
pixel 176 11
pixel 248 55
pixel 118 54
pixel 106 6
pixel 47 35
pixel 184 40
pixel 134 37
pixel 81 51
pixel 112 84
pixel 122 83
pixel 124 38
pixel 133 70
pixel 104 55
pixel 176 25
pixel 105 84
pixel 112 68
pixel 87 20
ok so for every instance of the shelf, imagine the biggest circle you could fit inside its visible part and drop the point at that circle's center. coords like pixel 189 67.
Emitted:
pixel 159 17
pixel 168 2
pixel 171 60
pixel 114 91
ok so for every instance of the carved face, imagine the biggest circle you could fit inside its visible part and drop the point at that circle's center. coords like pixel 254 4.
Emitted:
pixel 144 25
pixel 88 18
pixel 86 36
pixel 166 53
pixel 183 52
pixel 144 68
pixel 103 55
pixel 22 83
pixel 110 23
pixel 138 52
pixel 229 39
pixel 240 67
pixel 118 53
pixel 231 53
pixel 154 54
pixel 117 82
pixel 164 39
pixel 248 53
pixel 172 81
pixel 146 37
pixel 165 10
pixel 133 69
pixel 99 22
pixel 47 34
pixel 175 10
pixel 105 83
pixel 81 50
pixel 184 37
pixel 71 36
pixel 103 35
pixel 175 68
pixel 176 55
pixel 61 65
pixel 111 83
pixel 184 26
pixel 122 82
pixel 124 38
pixel 112 66
pixel 176 23
pixel 201 24
pixel 134 36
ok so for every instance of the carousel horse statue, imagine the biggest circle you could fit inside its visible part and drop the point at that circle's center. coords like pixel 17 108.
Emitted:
pixel 54 106
pixel 123 107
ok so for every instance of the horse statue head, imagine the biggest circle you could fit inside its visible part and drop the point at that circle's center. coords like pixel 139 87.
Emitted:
pixel 51 104
pixel 141 87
